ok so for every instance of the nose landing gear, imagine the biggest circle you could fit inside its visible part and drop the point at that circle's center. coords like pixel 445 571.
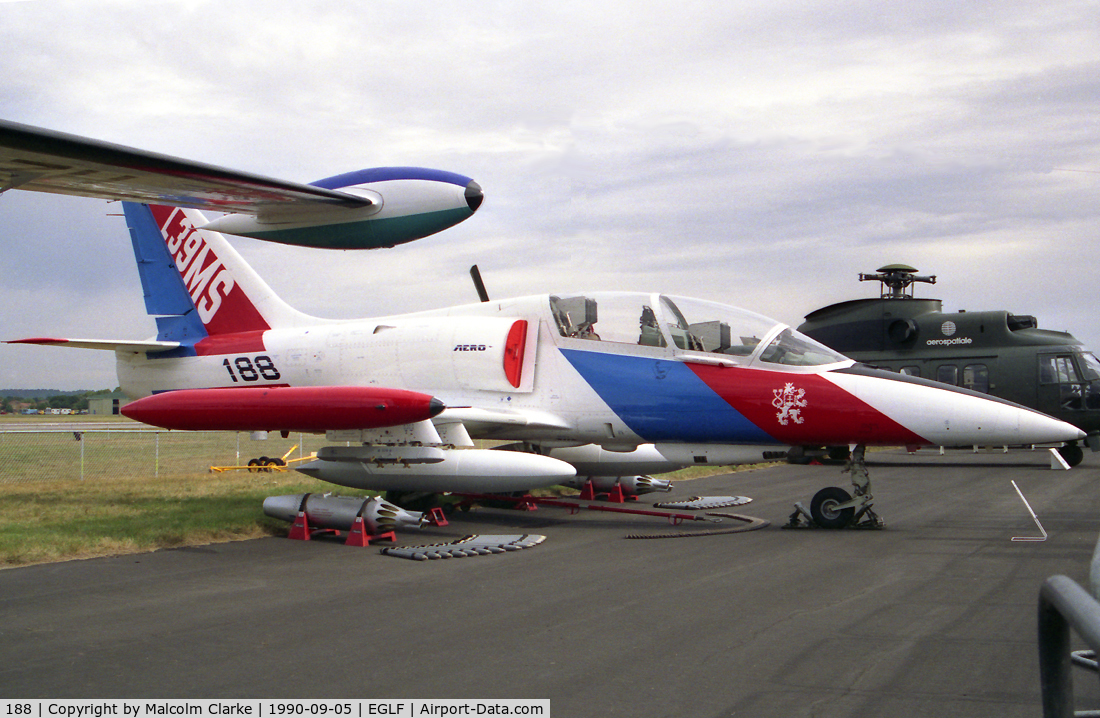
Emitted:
pixel 835 508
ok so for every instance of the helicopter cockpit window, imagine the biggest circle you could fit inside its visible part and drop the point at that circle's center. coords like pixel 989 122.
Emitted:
pixel 1078 382
pixel 1057 369
pixel 1090 366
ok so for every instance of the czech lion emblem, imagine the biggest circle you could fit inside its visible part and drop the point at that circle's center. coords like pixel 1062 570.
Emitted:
pixel 789 401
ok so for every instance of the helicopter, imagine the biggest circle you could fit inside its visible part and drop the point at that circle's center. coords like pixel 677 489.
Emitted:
pixel 992 352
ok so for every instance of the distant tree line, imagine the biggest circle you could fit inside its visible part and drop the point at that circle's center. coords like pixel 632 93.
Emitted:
pixel 14 400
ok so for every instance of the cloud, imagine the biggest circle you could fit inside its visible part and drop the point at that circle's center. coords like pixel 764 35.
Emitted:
pixel 758 153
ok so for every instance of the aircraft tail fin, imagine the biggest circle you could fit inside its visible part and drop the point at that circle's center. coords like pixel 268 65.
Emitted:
pixel 196 284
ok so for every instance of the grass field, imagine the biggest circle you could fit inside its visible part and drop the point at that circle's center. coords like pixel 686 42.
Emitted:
pixel 118 492
pixel 43 521
pixel 116 489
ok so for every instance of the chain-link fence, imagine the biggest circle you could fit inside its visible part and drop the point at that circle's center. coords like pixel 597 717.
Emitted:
pixel 89 450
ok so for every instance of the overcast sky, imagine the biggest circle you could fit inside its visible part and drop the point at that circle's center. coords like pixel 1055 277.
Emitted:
pixel 759 153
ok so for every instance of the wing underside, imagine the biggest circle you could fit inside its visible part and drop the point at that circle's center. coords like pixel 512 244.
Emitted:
pixel 123 345
pixel 42 160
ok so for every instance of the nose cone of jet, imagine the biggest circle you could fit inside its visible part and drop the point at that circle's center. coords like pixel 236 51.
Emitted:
pixel 947 416
pixel 474 196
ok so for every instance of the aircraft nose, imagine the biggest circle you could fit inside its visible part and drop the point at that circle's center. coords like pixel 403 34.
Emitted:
pixel 474 196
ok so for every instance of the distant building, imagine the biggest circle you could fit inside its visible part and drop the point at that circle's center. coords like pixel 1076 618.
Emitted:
pixel 107 404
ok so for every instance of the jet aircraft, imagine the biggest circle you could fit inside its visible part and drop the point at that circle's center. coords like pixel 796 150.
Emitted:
pixel 604 383
pixel 365 209
pixel 994 352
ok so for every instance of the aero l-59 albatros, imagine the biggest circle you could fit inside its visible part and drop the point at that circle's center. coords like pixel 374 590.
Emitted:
pixel 591 383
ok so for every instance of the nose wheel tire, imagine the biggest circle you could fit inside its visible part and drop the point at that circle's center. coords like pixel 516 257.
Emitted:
pixel 835 508
pixel 824 508
pixel 1072 453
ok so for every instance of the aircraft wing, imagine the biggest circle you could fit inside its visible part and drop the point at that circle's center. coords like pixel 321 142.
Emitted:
pixel 482 422
pixel 104 344
pixel 32 158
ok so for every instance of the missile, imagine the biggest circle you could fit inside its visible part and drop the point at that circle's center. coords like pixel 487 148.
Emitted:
pixel 329 511
pixel 307 408
pixel 631 485
pixel 482 471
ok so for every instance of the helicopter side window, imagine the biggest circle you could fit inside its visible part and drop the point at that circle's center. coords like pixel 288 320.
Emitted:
pixel 976 377
pixel 948 374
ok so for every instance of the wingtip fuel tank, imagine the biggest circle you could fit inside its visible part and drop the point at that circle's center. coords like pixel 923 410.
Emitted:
pixel 306 408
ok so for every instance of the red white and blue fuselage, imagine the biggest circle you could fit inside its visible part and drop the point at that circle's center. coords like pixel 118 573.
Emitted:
pixel 508 358
pixel 694 381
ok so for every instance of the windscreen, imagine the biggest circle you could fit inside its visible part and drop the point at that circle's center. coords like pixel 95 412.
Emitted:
pixel 691 324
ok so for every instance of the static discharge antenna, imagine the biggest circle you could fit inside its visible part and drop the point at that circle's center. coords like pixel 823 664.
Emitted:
pixel 895 279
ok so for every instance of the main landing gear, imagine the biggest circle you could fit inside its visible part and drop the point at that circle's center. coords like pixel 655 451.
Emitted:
pixel 835 508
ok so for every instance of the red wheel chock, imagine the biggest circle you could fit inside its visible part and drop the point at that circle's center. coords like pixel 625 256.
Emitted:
pixel 436 518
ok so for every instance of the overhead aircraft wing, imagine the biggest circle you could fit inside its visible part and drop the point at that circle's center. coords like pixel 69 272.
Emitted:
pixel 104 344
pixel 32 158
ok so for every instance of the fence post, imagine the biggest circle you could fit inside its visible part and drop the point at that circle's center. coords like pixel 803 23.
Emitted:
pixel 79 436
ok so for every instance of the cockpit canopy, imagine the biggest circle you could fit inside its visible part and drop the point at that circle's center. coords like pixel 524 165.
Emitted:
pixel 658 320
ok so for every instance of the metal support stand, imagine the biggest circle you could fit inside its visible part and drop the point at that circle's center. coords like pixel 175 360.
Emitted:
pixel 615 496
